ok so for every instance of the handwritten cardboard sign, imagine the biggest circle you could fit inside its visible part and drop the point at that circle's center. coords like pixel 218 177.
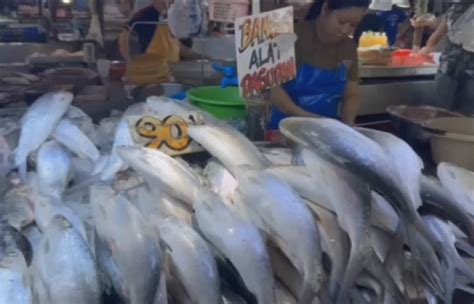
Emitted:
pixel 265 51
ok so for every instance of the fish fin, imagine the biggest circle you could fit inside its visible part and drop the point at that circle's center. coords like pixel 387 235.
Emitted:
pixel 465 288
pixel 354 267
pixel 378 270
pixel 464 269
pixel 465 247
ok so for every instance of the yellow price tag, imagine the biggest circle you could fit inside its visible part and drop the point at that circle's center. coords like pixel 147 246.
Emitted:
pixel 171 132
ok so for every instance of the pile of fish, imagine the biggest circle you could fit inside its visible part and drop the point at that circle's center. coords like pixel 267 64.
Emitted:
pixel 342 216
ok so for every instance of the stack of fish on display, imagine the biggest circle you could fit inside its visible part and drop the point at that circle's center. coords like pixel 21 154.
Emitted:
pixel 341 216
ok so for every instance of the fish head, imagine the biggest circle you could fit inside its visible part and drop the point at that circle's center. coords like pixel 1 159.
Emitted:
pixel 61 222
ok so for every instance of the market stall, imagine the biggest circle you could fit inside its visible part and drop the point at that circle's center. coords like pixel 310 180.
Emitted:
pixel 115 188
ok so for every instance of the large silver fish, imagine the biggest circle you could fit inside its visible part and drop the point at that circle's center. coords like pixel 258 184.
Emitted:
pixel 191 261
pixel 162 171
pixel 345 147
pixel 352 201
pixel 446 206
pixel 39 122
pixel 273 206
pixel 75 140
pixel 17 207
pixel 454 261
pixel 335 243
pixel 460 183
pixel 123 137
pixel 407 163
pixel 53 169
pixel 127 247
pixel 229 146
pixel 46 207
pixel 66 266
pixel 238 241
pixel 15 283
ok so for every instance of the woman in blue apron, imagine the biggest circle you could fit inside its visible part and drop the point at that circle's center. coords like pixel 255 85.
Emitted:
pixel 327 79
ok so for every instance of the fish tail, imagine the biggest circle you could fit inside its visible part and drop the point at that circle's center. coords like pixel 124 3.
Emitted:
pixel 464 269
pixel 380 272
pixel 354 267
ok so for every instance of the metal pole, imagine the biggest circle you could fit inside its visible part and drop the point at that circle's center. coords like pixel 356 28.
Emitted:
pixel 256 7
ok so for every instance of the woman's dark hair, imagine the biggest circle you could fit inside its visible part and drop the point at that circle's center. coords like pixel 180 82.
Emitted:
pixel 317 6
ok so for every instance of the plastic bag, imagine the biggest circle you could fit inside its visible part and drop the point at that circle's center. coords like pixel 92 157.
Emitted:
pixel 185 18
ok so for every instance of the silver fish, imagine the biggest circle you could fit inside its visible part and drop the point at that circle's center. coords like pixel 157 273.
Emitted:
pixel 406 162
pixel 347 148
pixel 127 247
pixel 446 205
pixel 123 137
pixel 66 266
pixel 75 140
pixel 334 242
pixel 53 169
pixel 220 180
pixel 13 238
pixel 162 171
pixel 220 139
pixel 383 214
pixel 454 261
pixel 460 183
pixel 192 261
pixel 17 207
pixel 15 283
pixel 273 206
pixel 351 198
pixel 16 80
pixel 46 208
pixel 238 241
pixel 39 122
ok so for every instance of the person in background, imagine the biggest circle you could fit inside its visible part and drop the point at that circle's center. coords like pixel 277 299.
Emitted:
pixel 391 22
pixel 154 38
pixel 455 77
pixel 327 78
pixel 371 22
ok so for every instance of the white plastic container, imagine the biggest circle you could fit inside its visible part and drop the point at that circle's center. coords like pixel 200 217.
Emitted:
pixel 452 140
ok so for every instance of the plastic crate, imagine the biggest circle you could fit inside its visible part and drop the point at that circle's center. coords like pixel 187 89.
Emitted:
pixel 228 10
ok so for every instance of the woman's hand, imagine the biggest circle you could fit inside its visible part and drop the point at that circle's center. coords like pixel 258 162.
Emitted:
pixel 426 50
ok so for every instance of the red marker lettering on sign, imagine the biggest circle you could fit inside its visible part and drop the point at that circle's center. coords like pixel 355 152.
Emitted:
pixel 266 78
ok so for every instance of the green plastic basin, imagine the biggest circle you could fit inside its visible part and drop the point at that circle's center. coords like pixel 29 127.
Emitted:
pixel 223 103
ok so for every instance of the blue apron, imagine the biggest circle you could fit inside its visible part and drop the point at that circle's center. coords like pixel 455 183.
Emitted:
pixel 315 90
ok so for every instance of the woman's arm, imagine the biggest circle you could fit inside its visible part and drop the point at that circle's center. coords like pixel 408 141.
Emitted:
pixel 280 99
pixel 436 37
pixel 351 102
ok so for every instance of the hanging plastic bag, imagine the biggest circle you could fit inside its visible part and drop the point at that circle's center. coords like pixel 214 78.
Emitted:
pixel 185 18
